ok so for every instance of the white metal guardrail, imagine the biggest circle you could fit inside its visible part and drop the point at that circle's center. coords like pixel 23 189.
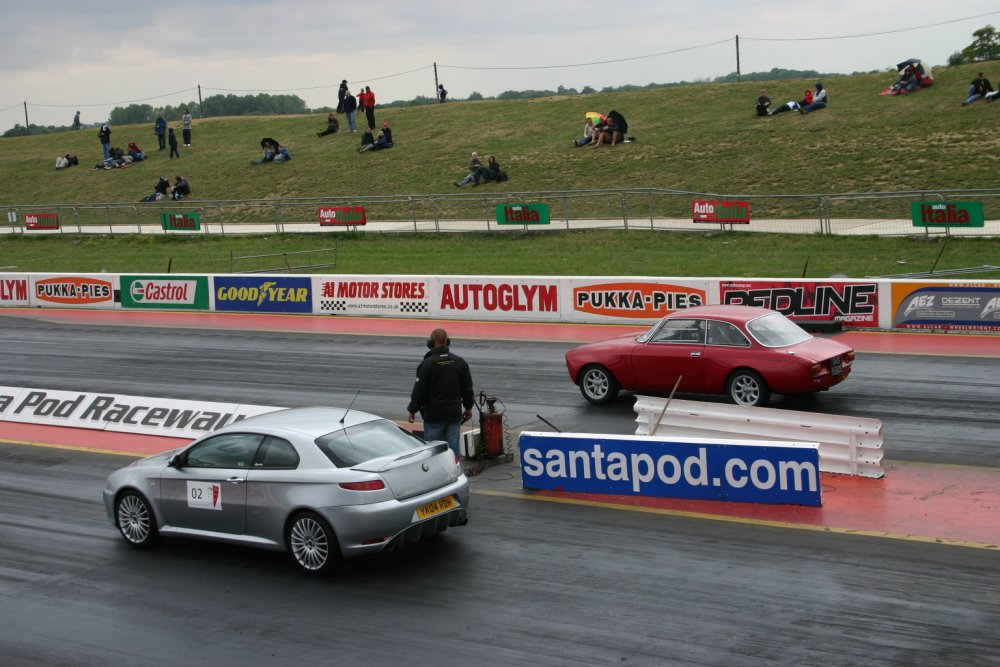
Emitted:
pixel 847 445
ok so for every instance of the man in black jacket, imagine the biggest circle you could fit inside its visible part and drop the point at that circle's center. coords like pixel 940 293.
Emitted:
pixel 442 392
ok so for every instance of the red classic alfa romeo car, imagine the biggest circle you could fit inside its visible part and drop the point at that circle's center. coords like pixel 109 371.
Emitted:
pixel 743 352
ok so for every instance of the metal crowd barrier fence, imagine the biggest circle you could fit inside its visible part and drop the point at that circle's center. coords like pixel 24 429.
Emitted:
pixel 878 213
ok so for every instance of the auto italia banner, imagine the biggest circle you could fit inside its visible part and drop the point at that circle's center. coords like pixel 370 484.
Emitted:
pixel 851 303
pixel 949 307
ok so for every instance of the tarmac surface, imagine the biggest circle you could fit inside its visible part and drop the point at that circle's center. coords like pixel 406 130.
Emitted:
pixel 888 572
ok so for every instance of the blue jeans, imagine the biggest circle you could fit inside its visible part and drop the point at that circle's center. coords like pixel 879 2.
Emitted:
pixel 447 431
pixel 813 107
pixel 350 121
pixel 107 150
pixel 468 179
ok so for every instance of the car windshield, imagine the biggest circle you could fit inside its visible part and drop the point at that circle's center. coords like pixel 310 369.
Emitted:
pixel 776 330
pixel 363 442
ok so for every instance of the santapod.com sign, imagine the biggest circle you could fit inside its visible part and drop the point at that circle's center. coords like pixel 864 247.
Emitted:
pixel 731 470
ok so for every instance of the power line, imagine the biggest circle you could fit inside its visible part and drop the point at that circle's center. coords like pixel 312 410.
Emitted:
pixel 104 104
pixel 333 85
pixel 599 62
pixel 866 34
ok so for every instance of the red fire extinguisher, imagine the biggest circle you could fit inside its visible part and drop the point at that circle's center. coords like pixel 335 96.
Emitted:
pixel 490 425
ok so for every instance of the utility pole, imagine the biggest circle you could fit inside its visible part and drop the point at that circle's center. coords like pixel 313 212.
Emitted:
pixel 27 128
pixel 201 111
pixel 737 57
pixel 436 89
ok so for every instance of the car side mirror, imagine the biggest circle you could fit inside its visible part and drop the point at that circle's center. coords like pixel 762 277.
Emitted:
pixel 175 461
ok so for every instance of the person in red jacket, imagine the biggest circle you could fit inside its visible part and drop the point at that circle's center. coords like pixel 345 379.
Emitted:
pixel 369 105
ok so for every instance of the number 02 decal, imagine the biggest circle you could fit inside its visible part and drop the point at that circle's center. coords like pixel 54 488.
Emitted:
pixel 204 495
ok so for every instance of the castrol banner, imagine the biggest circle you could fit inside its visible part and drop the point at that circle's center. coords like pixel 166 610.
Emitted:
pixel 630 299
pixel 504 298
pixel 74 291
pixel 396 296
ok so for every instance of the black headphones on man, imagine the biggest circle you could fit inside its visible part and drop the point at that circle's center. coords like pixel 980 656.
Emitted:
pixel 431 345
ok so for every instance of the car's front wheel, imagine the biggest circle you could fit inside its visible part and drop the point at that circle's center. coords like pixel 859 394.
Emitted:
pixel 598 385
pixel 135 519
pixel 312 543
pixel 747 388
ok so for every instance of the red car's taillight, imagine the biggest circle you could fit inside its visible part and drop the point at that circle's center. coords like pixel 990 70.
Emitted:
pixel 816 369
pixel 373 485
pixel 849 357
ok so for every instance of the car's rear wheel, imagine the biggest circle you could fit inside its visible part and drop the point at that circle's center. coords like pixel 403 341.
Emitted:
pixel 598 385
pixel 747 388
pixel 135 519
pixel 312 543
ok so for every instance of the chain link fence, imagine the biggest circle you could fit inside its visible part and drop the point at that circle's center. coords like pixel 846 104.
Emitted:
pixel 879 213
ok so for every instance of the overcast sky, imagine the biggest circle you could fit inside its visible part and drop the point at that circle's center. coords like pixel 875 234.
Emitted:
pixel 60 56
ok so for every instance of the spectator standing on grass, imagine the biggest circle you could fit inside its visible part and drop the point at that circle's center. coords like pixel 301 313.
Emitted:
pixel 341 95
pixel 76 121
pixel 172 139
pixel 350 105
pixel 370 106
pixel 442 93
pixel 160 128
pixel 104 134
pixel 186 127
pixel 442 392
pixel 980 88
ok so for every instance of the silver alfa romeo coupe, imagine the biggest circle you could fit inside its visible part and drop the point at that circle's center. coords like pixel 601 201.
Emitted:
pixel 321 483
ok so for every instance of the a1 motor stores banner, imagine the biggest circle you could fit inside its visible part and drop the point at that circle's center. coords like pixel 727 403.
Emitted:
pixel 507 298
pixel 263 294
pixel 629 299
pixel 14 290
pixel 854 304
pixel 74 291
pixel 948 306
pixel 397 296
pixel 165 292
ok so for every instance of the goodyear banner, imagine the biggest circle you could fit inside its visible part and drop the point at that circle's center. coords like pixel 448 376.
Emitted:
pixel 946 306
pixel 165 292
pixel 850 303
pixel 630 300
pixel 263 294
pixel 700 469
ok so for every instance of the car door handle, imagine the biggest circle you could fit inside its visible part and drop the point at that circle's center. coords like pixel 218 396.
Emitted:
pixel 696 354
pixel 235 480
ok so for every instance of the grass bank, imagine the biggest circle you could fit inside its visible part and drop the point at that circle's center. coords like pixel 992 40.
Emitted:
pixel 603 253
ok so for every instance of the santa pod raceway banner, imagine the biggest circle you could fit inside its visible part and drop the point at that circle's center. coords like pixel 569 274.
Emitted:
pixel 746 471
pixel 943 306
pixel 854 304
